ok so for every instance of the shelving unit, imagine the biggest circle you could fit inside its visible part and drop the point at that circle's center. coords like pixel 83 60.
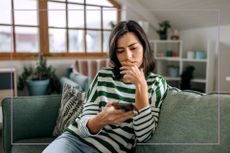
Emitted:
pixel 8 85
pixel 171 61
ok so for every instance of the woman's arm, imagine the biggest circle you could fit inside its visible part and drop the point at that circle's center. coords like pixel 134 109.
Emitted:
pixel 93 118
pixel 146 121
pixel 132 74
pixel 109 115
pixel 141 95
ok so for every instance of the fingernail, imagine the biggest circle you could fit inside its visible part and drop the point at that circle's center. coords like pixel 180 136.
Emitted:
pixel 135 113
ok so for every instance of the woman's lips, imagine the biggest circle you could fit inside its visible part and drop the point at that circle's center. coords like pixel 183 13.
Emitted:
pixel 133 62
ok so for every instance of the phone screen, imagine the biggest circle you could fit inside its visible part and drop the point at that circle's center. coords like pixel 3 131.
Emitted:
pixel 125 106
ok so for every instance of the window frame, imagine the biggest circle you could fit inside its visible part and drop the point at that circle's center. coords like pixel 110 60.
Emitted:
pixel 43 33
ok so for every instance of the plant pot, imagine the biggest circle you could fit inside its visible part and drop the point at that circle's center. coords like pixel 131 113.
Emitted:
pixel 163 36
pixel 38 87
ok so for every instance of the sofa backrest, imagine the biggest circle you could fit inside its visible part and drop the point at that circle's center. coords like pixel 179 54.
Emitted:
pixel 192 123
pixel 33 117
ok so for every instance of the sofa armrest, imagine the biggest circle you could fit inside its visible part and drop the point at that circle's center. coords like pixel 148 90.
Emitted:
pixel 28 117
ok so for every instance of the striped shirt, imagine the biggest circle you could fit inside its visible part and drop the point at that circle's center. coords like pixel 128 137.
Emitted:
pixel 123 137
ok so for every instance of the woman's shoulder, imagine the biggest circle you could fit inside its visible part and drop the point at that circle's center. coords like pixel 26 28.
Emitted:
pixel 154 75
pixel 105 70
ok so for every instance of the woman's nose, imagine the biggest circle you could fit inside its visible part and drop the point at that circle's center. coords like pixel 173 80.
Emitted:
pixel 128 55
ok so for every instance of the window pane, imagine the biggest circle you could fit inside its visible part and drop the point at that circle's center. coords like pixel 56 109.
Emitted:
pixel 57 40
pixel 26 39
pixel 77 1
pixel 100 2
pixel 5 39
pixel 93 40
pixel 76 15
pixel 26 12
pixel 106 35
pixel 109 17
pixel 60 0
pixel 5 11
pixel 93 16
pixel 76 41
pixel 56 14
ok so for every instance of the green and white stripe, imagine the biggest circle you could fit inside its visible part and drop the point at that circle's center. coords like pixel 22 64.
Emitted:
pixel 123 137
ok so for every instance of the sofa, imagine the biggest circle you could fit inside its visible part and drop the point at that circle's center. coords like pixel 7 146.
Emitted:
pixel 190 122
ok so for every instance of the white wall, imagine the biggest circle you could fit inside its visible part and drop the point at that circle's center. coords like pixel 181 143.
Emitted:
pixel 133 10
pixel 197 38
pixel 59 65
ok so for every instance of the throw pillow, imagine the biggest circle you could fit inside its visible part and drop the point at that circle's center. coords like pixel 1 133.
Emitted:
pixel 65 80
pixel 71 107
pixel 82 80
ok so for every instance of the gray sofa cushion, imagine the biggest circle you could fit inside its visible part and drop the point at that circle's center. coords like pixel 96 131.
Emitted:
pixel 65 80
pixel 22 146
pixel 189 124
pixel 80 79
pixel 33 117
pixel 28 148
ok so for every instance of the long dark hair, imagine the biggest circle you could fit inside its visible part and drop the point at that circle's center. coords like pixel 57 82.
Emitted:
pixel 119 30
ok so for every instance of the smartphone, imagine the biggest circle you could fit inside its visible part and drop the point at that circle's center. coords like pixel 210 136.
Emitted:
pixel 124 106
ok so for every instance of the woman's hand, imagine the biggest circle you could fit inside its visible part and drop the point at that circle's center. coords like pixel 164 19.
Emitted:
pixel 132 74
pixel 109 115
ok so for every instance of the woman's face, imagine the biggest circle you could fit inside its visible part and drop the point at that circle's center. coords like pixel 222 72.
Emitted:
pixel 129 49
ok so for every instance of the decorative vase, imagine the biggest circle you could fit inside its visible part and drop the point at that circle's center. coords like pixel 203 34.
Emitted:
pixel 38 87
pixel 173 71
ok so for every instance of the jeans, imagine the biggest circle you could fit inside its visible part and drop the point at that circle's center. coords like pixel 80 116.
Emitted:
pixel 68 143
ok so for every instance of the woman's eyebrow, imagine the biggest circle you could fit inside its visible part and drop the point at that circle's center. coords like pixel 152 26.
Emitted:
pixel 132 44
pixel 128 46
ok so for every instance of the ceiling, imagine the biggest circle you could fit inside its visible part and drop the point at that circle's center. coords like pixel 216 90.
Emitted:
pixel 187 14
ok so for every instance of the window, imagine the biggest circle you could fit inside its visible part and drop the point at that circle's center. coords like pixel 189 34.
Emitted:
pixel 18 28
pixel 59 28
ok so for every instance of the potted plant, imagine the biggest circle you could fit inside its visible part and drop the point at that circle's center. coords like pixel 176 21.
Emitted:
pixel 163 31
pixel 40 79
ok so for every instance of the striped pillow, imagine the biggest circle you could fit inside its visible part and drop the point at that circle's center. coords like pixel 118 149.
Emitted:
pixel 71 107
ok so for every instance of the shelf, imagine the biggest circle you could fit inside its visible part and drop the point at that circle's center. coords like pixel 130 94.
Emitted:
pixel 178 79
pixel 165 41
pixel 169 53
pixel 194 60
pixel 172 78
pixel 199 80
pixel 168 58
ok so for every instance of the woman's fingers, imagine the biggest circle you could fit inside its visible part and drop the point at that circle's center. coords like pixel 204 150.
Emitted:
pixel 110 103
pixel 122 116
pixel 115 116
pixel 132 74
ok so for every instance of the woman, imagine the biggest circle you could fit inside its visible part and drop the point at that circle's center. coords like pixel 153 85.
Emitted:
pixel 103 128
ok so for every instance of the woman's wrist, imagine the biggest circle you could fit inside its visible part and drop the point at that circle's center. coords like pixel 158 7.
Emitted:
pixel 96 123
pixel 141 99
pixel 142 85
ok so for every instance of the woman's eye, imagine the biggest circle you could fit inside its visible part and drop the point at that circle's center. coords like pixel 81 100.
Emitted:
pixel 133 48
pixel 119 51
